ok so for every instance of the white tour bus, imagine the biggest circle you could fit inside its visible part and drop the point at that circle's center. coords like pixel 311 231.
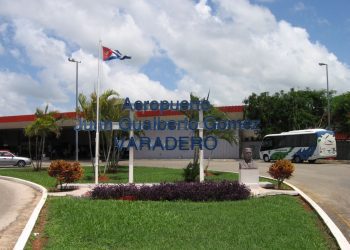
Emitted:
pixel 299 145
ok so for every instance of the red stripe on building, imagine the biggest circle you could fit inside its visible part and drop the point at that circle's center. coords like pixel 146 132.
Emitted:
pixel 232 109
pixel 148 113
pixel 30 118
pixel 342 137
pixel 17 118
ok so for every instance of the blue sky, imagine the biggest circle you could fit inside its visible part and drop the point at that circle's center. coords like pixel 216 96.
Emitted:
pixel 232 48
pixel 326 21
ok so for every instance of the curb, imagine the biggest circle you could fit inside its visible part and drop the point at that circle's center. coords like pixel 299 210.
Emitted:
pixel 23 238
pixel 338 235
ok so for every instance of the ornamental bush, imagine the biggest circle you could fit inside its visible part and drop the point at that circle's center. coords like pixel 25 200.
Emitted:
pixel 65 172
pixel 281 170
pixel 206 191
pixel 191 172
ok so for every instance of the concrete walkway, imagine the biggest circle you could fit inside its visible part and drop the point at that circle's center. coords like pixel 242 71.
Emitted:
pixel 229 165
pixel 84 189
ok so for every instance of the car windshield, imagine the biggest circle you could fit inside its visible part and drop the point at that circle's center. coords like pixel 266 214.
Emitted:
pixel 6 154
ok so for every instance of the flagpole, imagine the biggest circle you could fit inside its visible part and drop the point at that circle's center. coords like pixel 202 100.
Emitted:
pixel 97 139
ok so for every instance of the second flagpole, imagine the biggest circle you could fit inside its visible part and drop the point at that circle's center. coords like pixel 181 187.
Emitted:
pixel 97 139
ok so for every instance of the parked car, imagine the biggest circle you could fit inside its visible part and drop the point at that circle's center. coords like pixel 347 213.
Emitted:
pixel 9 159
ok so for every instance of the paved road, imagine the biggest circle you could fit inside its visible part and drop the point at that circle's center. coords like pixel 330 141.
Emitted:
pixel 327 183
pixel 17 202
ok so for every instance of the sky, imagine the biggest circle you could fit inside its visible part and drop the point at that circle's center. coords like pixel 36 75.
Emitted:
pixel 231 48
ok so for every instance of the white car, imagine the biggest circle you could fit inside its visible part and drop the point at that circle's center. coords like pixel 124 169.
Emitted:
pixel 9 159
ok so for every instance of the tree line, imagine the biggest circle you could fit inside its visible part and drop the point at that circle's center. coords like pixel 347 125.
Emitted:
pixel 298 109
pixel 281 111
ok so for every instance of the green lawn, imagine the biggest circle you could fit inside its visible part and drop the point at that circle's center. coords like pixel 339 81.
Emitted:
pixel 278 222
pixel 28 174
pixel 141 175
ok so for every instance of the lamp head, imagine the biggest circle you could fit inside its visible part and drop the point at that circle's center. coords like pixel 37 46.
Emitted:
pixel 71 59
pixel 322 64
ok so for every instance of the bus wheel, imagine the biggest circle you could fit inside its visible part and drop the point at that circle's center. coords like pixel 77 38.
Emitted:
pixel 266 158
pixel 297 159
pixel 311 161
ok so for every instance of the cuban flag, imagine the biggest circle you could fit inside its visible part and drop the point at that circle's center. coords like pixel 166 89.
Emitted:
pixel 109 54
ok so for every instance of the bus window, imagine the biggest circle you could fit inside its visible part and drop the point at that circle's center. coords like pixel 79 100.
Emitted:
pixel 267 144
pixel 280 141
pixel 293 141
pixel 308 140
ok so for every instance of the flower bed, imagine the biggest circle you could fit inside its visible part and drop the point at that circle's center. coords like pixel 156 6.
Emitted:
pixel 207 191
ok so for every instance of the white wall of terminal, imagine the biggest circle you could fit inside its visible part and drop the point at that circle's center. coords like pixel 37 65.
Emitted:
pixel 223 150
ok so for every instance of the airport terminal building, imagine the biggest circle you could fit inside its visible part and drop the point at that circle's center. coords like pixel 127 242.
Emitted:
pixel 12 137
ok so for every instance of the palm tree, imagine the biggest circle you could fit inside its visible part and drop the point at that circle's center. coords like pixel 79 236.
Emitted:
pixel 110 110
pixel 86 110
pixel 45 123
pixel 227 135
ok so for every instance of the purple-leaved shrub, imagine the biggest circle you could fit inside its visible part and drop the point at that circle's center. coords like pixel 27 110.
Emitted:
pixel 206 191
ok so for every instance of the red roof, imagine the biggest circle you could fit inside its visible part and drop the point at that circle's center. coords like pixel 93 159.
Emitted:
pixel 232 109
pixel 342 136
pixel 148 113
pixel 30 118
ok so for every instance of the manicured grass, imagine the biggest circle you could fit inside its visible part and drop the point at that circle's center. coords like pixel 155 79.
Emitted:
pixel 264 223
pixel 278 222
pixel 141 175
pixel 40 177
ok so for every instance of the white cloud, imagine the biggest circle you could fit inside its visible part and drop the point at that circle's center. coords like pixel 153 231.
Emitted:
pixel 138 86
pixel 15 90
pixel 15 53
pixel 203 9
pixel 235 50
pixel 3 28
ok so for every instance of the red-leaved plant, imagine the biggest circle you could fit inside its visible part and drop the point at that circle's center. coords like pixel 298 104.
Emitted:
pixel 281 170
pixel 65 172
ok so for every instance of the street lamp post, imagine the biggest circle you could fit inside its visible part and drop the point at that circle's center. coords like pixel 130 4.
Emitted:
pixel 328 104
pixel 76 107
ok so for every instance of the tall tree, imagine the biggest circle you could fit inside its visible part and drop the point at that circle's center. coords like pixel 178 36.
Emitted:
pixel 110 110
pixel 283 111
pixel 227 135
pixel 45 123
pixel 87 111
pixel 341 113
